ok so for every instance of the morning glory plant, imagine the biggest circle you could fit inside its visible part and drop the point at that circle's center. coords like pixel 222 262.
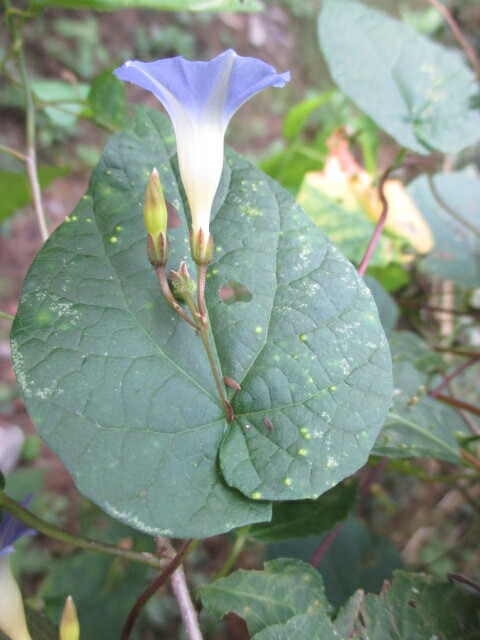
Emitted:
pixel 200 98
pixel 12 614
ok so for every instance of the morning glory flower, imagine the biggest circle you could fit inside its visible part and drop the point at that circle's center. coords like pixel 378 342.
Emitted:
pixel 12 614
pixel 200 98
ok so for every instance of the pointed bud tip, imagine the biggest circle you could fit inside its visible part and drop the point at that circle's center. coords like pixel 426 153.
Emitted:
pixel 69 626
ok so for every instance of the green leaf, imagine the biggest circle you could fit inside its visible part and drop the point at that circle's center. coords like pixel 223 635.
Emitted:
pixel 306 517
pixel 15 188
pixel 282 590
pixel 418 425
pixel 407 346
pixel 103 590
pixel 298 115
pixel 107 100
pixel 356 558
pixel 308 626
pixel 69 100
pixel 115 382
pixel 120 388
pixel 416 90
pixel 419 606
pixel 456 230
pixel 159 5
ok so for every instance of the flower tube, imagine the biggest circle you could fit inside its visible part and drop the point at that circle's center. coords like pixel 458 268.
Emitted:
pixel 200 98
pixel 12 614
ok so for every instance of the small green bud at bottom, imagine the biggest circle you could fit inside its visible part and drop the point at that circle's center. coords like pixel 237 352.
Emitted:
pixel 182 283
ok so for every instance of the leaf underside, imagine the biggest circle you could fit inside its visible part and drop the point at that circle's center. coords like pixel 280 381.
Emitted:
pixel 119 387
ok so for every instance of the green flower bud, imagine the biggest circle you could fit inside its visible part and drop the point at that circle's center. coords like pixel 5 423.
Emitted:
pixel 156 217
pixel 69 625
pixel 155 209
pixel 182 282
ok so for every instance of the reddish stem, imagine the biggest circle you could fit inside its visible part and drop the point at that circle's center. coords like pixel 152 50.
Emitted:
pixel 362 494
pixel 152 589
pixel 459 404
pixel 469 51
pixel 380 224
pixel 456 372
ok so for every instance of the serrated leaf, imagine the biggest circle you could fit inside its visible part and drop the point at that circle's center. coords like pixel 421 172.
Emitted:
pixel 159 5
pixel 415 89
pixel 456 252
pixel 107 100
pixel 306 517
pixel 357 557
pixel 15 190
pixel 308 626
pixel 121 389
pixel 419 606
pixel 282 590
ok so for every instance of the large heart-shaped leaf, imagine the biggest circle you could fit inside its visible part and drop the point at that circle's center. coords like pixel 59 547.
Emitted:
pixel 416 90
pixel 121 389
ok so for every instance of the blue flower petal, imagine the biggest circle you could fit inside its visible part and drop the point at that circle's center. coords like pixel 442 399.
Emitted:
pixel 12 529
pixel 192 84
pixel 200 98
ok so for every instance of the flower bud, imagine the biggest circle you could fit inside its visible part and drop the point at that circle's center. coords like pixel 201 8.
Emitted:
pixel 181 281
pixel 69 626
pixel 156 217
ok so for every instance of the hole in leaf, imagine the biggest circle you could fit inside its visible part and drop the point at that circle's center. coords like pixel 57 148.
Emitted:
pixel 173 221
pixel 233 292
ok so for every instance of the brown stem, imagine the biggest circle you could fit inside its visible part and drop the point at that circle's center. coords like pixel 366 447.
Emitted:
pixel 187 609
pixel 427 307
pixel 460 404
pixel 152 589
pixel 383 216
pixel 458 352
pixel 165 287
pixel 466 455
pixel 456 372
pixel 469 50
pixel 50 530
pixel 325 545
